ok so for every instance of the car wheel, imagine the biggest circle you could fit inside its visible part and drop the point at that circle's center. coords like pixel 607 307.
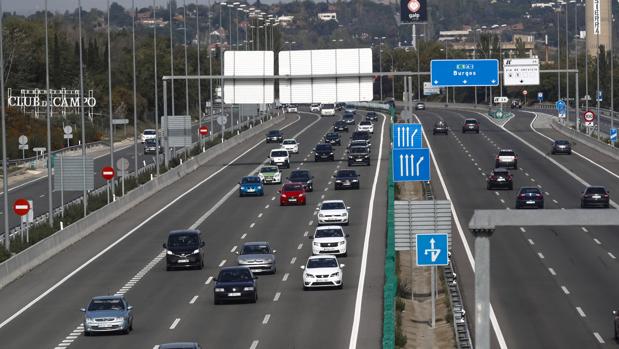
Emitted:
pixel 345 254
pixel 274 271
pixel 607 206
pixel 255 299
pixel 88 334
pixel 201 265
pixel 336 188
pixel 488 187
pixel 541 206
pixel 240 195
pixel 346 224
pixel 340 286
pixel 517 205
pixel 305 288
pixel 168 268
pixel 216 302
pixel 349 163
pixel 368 164
pixel 477 131
pixel 515 165
pixel 511 187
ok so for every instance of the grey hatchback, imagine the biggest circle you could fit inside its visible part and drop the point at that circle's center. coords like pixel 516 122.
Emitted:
pixel 258 257
pixel 108 314
pixel 440 127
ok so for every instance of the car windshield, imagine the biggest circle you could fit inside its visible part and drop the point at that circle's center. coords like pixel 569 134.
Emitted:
pixel 250 180
pixel 333 206
pixel 559 142
pixel 279 153
pixel 358 150
pixel 506 153
pixel 151 142
pixel 360 135
pixel 322 263
pixel 183 240
pixel 470 121
pixel 323 147
pixel 292 187
pixel 332 136
pixel 230 275
pixel 346 173
pixel 256 249
pixel 596 190
pixel 150 132
pixel 268 169
pixel 358 142
pixel 289 141
pixel 329 233
pixel 106 304
pixel 339 123
pixel 529 190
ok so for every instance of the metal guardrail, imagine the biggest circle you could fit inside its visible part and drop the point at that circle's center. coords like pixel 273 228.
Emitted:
pixel 461 327
pixel 17 162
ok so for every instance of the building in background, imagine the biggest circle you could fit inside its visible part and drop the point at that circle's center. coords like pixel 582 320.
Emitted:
pixel 598 25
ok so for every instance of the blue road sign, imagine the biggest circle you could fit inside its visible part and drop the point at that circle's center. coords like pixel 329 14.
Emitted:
pixel 464 72
pixel 560 105
pixel 540 96
pixel 599 96
pixel 613 135
pixel 406 136
pixel 432 249
pixel 411 165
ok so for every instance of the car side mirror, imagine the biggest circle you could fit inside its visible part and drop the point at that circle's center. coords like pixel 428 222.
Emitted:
pixel 279 190
pixel 130 307
pixel 83 310
pixel 202 244
pixel 317 208
pixel 215 279
pixel 302 267
pixel 164 245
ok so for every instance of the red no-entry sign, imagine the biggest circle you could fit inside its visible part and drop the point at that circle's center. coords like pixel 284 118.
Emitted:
pixel 203 131
pixel 21 207
pixel 108 173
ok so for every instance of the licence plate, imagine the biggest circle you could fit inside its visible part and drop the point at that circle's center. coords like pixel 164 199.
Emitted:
pixel 530 202
pixel 292 199
pixel 347 183
pixel 500 179
pixel 251 190
pixel 234 294
pixel 105 325
pixel 359 160
pixel 597 197
pixel 183 260
pixel 330 248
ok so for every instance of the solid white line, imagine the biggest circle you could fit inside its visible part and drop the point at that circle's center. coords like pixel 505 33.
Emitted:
pixel 266 319
pixel 366 242
pixel 611 255
pixel 233 249
pixel 598 337
pixel 565 290
pixel 552 271
pixel 285 277
pixel 277 295
pixel 254 344
pixel 582 313
pixel 193 300
pixel 175 323
pixel 597 241
pixel 208 281
pixel 222 263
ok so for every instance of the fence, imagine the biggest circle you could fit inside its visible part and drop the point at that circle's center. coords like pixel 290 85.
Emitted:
pixel 391 278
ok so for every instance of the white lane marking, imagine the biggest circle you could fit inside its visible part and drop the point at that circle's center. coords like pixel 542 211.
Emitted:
pixel 267 206
pixel 565 290
pixel 221 264
pixel 326 189
pixel 260 215
pixel 502 201
pixel 193 300
pixel 522 230
pixel 277 295
pixel 310 223
pixel 582 313
pixel 300 246
pixel 322 196
pixel 208 281
pixel 294 259
pixel 547 193
pixel 233 249
pixel 266 319
pixel 330 183
pixel 285 277
pixel 552 271
pixel 496 193
pixel 298 168
pixel 254 344
pixel 540 255
pixel 301 164
pixel 526 174
pixel 531 242
pixel 306 233
pixel 584 229
pixel 273 198
pixel 597 241
pixel 555 201
pixel 493 319
pixel 253 224
pixel 243 236
pixel 41 196
pixel 175 323
pixel 598 337
pixel 611 255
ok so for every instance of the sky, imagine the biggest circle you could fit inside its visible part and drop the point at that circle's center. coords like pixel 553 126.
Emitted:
pixel 31 6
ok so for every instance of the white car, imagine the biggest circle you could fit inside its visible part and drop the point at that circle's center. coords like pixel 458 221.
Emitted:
pixel 315 108
pixel 333 212
pixel 291 145
pixel 322 271
pixel 366 126
pixel 329 239
pixel 280 158
pixel 148 133
pixel 292 108
pixel 327 110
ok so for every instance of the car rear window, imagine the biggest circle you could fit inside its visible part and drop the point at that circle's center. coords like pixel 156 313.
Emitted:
pixel 596 190
pixel 346 173
pixel 560 142
pixel 324 147
pixel 358 150
pixel 529 190
pixel 292 187
pixel 274 133
pixel 251 180
pixel 501 173
pixel 183 240
pixel 279 153
pixel 332 206
pixel 229 275
pixel 470 121
pixel 506 153
pixel 290 141
pixel 365 123
pixel 333 135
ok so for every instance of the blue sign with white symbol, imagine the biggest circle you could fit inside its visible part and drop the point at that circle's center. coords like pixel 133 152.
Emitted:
pixel 599 96
pixel 560 105
pixel 464 72
pixel 613 135
pixel 540 96
pixel 407 136
pixel 432 249
pixel 411 165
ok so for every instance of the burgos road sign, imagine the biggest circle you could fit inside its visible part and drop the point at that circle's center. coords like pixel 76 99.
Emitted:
pixel 432 249
pixel 411 165
pixel 406 136
pixel 464 72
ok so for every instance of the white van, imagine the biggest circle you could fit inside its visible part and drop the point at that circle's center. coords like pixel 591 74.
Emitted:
pixel 327 110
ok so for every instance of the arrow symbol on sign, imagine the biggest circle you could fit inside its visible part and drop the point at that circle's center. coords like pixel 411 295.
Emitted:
pixel 407 139
pixel 493 81
pixel 464 81
pixel 418 163
pixel 413 138
pixel 399 136
pixel 433 251
pixel 413 168
pixel 401 165
pixel 406 165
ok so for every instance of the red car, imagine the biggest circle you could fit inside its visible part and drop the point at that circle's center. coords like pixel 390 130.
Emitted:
pixel 292 194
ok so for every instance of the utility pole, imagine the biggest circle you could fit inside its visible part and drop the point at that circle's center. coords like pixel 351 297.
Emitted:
pixel 50 218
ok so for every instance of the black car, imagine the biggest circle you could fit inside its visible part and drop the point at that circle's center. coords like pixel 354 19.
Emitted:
pixel 516 104
pixel 358 155
pixel 371 116
pixel 340 126
pixel 346 179
pixel 499 178
pixel 333 138
pixel 275 136
pixel 362 135
pixel 349 118
pixel 150 147
pixel 529 197
pixel 595 197
pixel 323 151
pixel 235 283
pixel 184 249
pixel 471 125
pixel 302 176
pixel 561 147
pixel 616 323
pixel 339 106
pixel 440 127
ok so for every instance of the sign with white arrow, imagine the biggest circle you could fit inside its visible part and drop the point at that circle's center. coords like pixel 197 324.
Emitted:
pixel 432 249
pixel 464 72
pixel 411 165
pixel 520 71
pixel 407 136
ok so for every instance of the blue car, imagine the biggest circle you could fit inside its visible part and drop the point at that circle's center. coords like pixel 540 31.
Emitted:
pixel 251 185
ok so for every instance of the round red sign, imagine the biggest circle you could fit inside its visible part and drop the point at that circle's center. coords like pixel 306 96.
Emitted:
pixel 108 173
pixel 21 207
pixel 203 131
pixel 414 5
pixel 589 116
pixel 525 92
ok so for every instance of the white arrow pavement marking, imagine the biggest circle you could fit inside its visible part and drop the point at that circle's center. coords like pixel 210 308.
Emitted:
pixel 418 163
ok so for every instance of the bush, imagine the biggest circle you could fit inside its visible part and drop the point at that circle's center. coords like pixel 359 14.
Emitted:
pixel 404 289
pixel 399 304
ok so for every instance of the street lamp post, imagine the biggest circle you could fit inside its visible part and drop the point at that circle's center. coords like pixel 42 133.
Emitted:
pixel 380 63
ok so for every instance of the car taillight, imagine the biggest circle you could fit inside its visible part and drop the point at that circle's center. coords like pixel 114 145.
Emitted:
pixel 522 195
pixel 497 157
pixel 605 195
pixel 493 177
pixel 509 177
pixel 538 194
pixel 300 195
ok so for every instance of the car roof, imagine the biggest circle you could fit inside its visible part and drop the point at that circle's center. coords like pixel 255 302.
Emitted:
pixel 184 231
pixel 500 169
pixel 331 201
pixel 108 297
pixel 178 345
pixel 365 122
pixel 252 243
pixel 279 149
pixel 234 267
pixel 596 187
pixel 505 150
pixel 529 188
pixel 293 183
pixel 254 177
pixel 470 119
pixel 290 139
pixel 322 256
pixel 325 227
pixel 364 147
pixel 304 171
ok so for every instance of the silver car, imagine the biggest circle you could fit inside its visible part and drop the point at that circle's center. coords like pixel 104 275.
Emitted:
pixel 108 314
pixel 257 256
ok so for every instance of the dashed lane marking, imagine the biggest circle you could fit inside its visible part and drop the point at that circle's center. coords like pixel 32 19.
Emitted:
pixel 552 271
pixel 565 290
pixel 175 323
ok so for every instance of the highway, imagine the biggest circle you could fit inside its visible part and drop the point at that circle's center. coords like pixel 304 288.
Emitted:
pixel 178 305
pixel 550 287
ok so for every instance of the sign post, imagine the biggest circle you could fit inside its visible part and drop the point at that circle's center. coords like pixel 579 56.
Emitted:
pixel 203 132
pixel 108 174
pixel 540 97
pixel 23 145
pixel 432 251
pixel 589 118
pixel 123 165
pixel 68 134
pixel 21 207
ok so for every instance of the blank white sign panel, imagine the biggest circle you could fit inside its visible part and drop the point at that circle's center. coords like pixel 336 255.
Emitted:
pixel 249 63
pixel 325 62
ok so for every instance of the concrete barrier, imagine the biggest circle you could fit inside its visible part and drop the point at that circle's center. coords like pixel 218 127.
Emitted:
pixel 584 139
pixel 38 253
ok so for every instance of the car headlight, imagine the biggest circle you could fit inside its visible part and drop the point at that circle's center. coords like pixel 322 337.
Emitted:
pixel 277 175
pixel 355 180
pixel 168 252
pixel 342 242
pixel 196 251
pixel 301 195
pixel 338 181
pixel 259 187
pixel 317 244
pixel 345 214
pixel 90 321
pixel 351 157
pixel 337 273
pixel 321 215
pixel 249 288
pixel 242 262
pixel 331 153
pixel 309 276
pixel 219 289
pixel 261 176
pixel 242 188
